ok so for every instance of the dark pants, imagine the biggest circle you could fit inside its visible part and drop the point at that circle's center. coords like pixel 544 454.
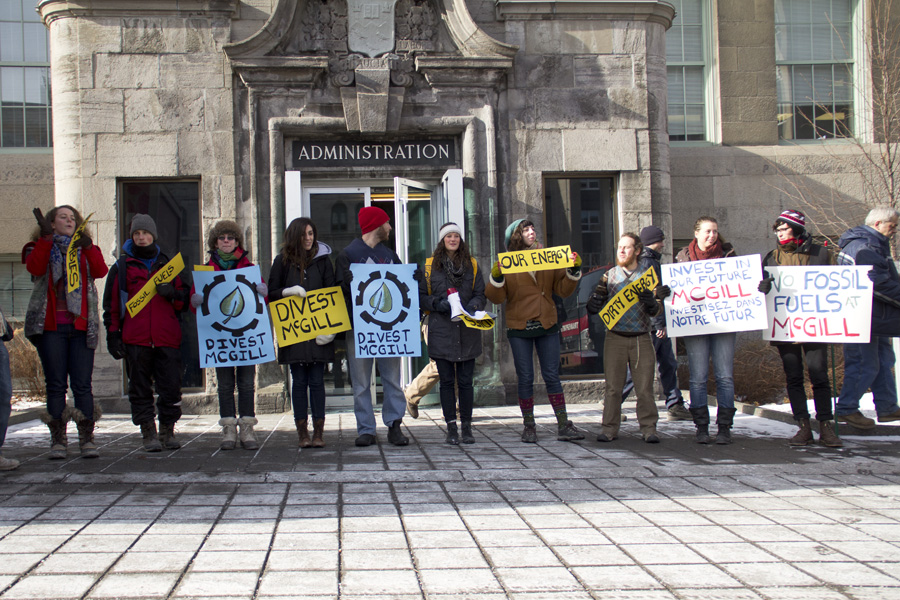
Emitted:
pixel 309 376
pixel 523 349
pixel 817 365
pixel 67 360
pixel 666 366
pixel 245 387
pixel 454 374
pixel 5 392
pixel 148 365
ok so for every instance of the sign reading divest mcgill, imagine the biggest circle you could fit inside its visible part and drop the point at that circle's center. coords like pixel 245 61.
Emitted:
pixel 434 153
pixel 714 296
pixel 320 312
pixel 385 311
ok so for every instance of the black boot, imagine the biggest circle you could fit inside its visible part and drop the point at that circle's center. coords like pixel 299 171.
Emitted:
pixel 701 422
pixel 725 420
pixel 150 437
pixel 467 437
pixel 167 436
pixel 452 434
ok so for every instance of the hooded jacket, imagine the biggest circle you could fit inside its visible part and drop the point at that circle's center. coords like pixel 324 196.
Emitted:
pixel 318 274
pixel 452 340
pixel 864 245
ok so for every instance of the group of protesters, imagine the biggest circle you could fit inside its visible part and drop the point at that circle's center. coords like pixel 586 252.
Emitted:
pixel 63 322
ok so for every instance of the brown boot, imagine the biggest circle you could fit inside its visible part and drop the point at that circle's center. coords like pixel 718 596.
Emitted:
pixel 167 436
pixel 804 436
pixel 59 441
pixel 318 430
pixel 86 433
pixel 827 436
pixel 149 437
pixel 303 432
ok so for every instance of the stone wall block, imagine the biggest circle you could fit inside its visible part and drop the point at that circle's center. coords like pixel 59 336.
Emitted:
pixel 568 37
pixel 129 71
pixel 750 134
pixel 142 36
pixel 98 35
pixel 554 108
pixel 88 145
pixel 514 33
pixel 66 157
pixel 164 110
pixel 628 108
pixel 633 38
pixel 599 150
pixel 759 58
pixel 728 58
pixel 544 71
pixel 736 83
pixel 746 34
pixel 742 11
pixel 219 109
pixel 195 71
pixel 758 109
pixel 189 36
pixel 102 111
pixel 605 71
pixel 86 72
pixel 201 152
pixel 100 194
pixel 137 155
pixel 536 150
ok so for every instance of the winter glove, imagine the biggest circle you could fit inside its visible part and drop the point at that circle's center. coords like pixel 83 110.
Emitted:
pixel 594 304
pixel 196 300
pixel 663 292
pixel 646 298
pixel 166 290
pixel 261 288
pixel 418 275
pixel 85 241
pixel 114 344
pixel 324 340
pixel 442 306
pixel 496 275
pixel 296 290
pixel 574 270
pixel 872 275
pixel 348 276
pixel 765 286
pixel 42 222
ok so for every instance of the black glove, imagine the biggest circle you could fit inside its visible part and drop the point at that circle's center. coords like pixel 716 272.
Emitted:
pixel 348 276
pixel 442 306
pixel 43 223
pixel 594 304
pixel 84 242
pixel 871 274
pixel 765 286
pixel 663 292
pixel 418 275
pixel 114 344
pixel 166 290
pixel 646 298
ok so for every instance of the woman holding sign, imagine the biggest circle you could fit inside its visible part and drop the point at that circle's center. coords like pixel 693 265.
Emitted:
pixel 706 245
pixel 302 266
pixel 531 321
pixel 226 251
pixel 63 322
pixel 452 344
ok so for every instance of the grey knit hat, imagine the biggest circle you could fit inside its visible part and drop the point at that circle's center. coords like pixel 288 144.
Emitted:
pixel 145 222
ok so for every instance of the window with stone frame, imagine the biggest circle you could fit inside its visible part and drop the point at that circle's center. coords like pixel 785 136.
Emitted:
pixel 15 287
pixel 687 73
pixel 25 120
pixel 814 61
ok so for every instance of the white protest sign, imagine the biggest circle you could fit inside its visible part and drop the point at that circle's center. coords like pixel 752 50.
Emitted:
pixel 828 304
pixel 714 296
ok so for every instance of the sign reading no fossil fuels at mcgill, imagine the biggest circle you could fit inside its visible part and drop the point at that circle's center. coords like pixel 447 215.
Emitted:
pixel 385 311
pixel 435 153
pixel 714 296
pixel 819 304
pixel 540 259
pixel 320 312
pixel 232 323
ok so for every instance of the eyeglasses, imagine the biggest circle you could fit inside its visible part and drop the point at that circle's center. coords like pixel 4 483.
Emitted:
pixel 227 238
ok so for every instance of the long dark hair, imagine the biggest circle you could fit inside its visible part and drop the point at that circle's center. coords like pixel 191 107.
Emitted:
pixel 516 241
pixel 292 251
pixel 36 235
pixel 459 260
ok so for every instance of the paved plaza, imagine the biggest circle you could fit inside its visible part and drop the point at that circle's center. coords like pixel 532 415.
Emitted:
pixel 497 519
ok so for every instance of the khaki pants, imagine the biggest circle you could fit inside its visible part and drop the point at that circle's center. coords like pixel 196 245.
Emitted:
pixel 427 378
pixel 619 352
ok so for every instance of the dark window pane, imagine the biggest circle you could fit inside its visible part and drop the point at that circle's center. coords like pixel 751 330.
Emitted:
pixel 12 127
pixel 37 133
pixel 37 86
pixel 12 85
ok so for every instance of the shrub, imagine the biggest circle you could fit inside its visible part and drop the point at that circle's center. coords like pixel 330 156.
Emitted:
pixel 25 365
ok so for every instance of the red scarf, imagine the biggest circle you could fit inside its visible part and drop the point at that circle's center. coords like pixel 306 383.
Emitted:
pixel 714 251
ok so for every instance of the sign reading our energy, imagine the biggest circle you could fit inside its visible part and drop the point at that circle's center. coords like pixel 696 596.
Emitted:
pixel 830 304
pixel 146 293
pixel 385 311
pixel 540 259
pixel 298 319
pixel 232 323
pixel 627 297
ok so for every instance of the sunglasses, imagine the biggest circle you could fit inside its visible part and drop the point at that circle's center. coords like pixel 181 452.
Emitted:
pixel 227 238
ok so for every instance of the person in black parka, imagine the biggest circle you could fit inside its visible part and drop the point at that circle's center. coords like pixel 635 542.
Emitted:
pixel 453 346
pixel 304 264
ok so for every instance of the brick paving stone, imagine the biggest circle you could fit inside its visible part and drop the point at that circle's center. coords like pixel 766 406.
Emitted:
pixel 440 558
pixel 366 560
pixel 302 560
pixel 162 562
pixel 240 584
pixel 41 587
pixel 135 585
pixel 81 562
pixel 292 584
pixel 382 581
pixel 615 578
pixel 459 581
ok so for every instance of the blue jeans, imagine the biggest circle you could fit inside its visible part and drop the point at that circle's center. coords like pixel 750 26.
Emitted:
pixel 547 347
pixel 720 348
pixel 394 405
pixel 67 360
pixel 868 366
pixel 308 377
pixel 667 366
pixel 244 375
pixel 5 392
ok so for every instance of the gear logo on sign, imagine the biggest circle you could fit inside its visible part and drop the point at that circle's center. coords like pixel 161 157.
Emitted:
pixel 384 299
pixel 232 306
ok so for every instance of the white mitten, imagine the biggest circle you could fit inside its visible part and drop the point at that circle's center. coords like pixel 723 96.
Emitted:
pixel 323 340
pixel 296 290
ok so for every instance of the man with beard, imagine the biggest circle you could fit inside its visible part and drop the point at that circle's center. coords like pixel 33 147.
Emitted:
pixel 628 342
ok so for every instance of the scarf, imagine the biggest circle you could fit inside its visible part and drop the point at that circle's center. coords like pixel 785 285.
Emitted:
pixel 714 251
pixel 226 261
pixel 145 254
pixel 58 252
pixel 454 274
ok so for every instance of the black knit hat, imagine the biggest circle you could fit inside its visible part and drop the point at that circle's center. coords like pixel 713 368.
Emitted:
pixel 651 234
pixel 145 222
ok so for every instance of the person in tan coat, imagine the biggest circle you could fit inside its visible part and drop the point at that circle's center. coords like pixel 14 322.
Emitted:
pixel 532 327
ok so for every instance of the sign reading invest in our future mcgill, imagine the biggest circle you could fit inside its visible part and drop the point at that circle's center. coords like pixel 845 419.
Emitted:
pixel 714 296
pixel 232 323
pixel 385 311
pixel 819 304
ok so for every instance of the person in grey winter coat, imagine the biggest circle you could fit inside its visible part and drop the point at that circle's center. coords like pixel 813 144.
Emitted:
pixel 451 344
pixel 302 266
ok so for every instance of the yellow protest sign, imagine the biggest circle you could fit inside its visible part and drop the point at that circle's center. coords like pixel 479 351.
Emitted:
pixel 298 319
pixel 204 268
pixel 541 259
pixel 484 324
pixel 73 273
pixel 627 297
pixel 164 275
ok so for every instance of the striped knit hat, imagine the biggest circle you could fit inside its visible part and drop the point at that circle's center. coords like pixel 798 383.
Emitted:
pixel 792 217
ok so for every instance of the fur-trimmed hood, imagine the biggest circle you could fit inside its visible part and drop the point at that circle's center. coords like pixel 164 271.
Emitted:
pixel 223 227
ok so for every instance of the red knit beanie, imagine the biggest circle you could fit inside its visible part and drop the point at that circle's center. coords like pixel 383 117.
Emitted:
pixel 371 218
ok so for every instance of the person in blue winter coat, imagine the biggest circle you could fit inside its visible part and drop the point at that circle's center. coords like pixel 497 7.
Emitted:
pixel 869 366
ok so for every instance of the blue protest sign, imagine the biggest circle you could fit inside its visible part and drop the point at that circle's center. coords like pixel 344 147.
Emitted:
pixel 385 311
pixel 232 323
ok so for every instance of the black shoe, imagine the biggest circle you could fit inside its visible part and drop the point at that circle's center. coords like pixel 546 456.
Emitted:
pixel 452 434
pixel 466 436
pixel 723 437
pixel 395 436
pixel 366 439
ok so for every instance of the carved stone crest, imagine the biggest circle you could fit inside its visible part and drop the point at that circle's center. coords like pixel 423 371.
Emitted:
pixel 371 26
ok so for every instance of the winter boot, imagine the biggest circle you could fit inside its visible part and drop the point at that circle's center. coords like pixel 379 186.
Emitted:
pixel 395 435
pixel 59 442
pixel 229 433
pixel 318 432
pixel 529 434
pixel 452 434
pixel 724 420
pixel 303 432
pixel 701 422
pixel 827 436
pixel 466 434
pixel 86 432
pixel 247 435
pixel 150 437
pixel 804 436
pixel 167 436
